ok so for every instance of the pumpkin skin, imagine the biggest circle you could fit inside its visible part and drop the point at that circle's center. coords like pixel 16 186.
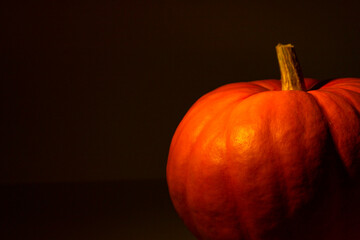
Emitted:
pixel 251 162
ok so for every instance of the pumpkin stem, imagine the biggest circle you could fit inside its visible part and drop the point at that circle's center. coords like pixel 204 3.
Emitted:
pixel 291 74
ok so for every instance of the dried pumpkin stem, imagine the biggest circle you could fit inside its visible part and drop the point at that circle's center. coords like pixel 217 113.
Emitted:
pixel 291 74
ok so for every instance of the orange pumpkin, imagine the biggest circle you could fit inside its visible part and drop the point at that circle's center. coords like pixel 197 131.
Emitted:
pixel 250 161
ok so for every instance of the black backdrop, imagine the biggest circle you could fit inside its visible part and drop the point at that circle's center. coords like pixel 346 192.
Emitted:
pixel 92 91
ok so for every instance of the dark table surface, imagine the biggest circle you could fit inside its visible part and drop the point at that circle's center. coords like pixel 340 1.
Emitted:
pixel 101 210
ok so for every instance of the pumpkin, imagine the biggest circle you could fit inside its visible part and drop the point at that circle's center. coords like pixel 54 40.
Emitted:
pixel 270 159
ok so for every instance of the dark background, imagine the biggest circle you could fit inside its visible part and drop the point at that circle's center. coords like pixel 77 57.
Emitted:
pixel 92 91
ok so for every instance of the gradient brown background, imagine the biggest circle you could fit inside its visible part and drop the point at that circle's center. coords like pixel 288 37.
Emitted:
pixel 92 92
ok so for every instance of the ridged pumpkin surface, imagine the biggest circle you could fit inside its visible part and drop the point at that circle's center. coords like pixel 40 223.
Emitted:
pixel 249 161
